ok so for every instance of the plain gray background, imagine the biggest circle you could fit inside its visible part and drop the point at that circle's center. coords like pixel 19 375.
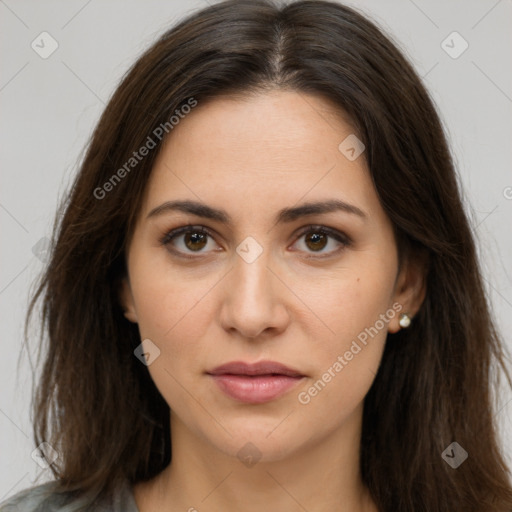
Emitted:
pixel 49 107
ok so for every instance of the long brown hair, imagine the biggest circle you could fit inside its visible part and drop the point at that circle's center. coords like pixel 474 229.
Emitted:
pixel 96 403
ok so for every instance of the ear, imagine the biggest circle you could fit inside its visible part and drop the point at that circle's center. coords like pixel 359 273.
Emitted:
pixel 410 288
pixel 126 300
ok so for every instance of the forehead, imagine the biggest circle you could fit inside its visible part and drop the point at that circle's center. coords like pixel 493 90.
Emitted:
pixel 260 152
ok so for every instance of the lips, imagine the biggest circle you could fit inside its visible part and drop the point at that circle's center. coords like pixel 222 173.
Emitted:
pixel 251 369
pixel 255 383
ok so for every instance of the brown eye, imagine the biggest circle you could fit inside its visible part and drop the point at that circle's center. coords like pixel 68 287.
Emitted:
pixel 195 241
pixel 187 239
pixel 316 241
pixel 318 238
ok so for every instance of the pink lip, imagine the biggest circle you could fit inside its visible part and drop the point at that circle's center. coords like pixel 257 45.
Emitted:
pixel 255 390
pixel 255 383
pixel 259 368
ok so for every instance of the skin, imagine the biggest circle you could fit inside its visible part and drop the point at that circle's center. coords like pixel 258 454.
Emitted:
pixel 252 157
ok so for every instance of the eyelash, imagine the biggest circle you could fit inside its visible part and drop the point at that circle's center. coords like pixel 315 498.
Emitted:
pixel 343 239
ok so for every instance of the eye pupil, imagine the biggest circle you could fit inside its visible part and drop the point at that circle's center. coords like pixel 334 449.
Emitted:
pixel 195 238
pixel 315 238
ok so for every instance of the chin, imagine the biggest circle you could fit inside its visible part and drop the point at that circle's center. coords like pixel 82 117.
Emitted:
pixel 253 444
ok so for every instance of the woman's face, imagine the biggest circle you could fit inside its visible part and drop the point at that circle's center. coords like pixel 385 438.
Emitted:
pixel 261 284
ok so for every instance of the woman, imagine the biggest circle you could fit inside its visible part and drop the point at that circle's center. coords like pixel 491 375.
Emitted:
pixel 264 291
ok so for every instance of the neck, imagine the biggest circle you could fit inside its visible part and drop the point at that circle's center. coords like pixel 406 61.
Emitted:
pixel 319 477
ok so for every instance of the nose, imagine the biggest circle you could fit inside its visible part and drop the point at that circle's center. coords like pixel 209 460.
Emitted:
pixel 254 299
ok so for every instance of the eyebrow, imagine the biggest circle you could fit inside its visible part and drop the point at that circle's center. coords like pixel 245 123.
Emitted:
pixel 286 215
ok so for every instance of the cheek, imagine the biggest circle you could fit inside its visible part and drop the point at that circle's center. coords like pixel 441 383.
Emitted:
pixel 353 303
pixel 357 310
pixel 172 313
pixel 173 310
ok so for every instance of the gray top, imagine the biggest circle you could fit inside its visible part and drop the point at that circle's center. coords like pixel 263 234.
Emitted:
pixel 40 498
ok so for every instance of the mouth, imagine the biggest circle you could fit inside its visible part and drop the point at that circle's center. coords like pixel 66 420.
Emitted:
pixel 255 369
pixel 255 383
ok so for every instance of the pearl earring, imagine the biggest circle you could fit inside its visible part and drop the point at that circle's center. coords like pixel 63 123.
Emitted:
pixel 405 320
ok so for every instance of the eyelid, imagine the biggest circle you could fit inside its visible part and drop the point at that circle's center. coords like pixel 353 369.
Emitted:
pixel 339 236
pixel 173 233
pixel 176 232
pixel 342 238
pixel 334 233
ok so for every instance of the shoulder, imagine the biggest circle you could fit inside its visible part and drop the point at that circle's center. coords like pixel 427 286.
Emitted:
pixel 39 497
pixel 44 498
